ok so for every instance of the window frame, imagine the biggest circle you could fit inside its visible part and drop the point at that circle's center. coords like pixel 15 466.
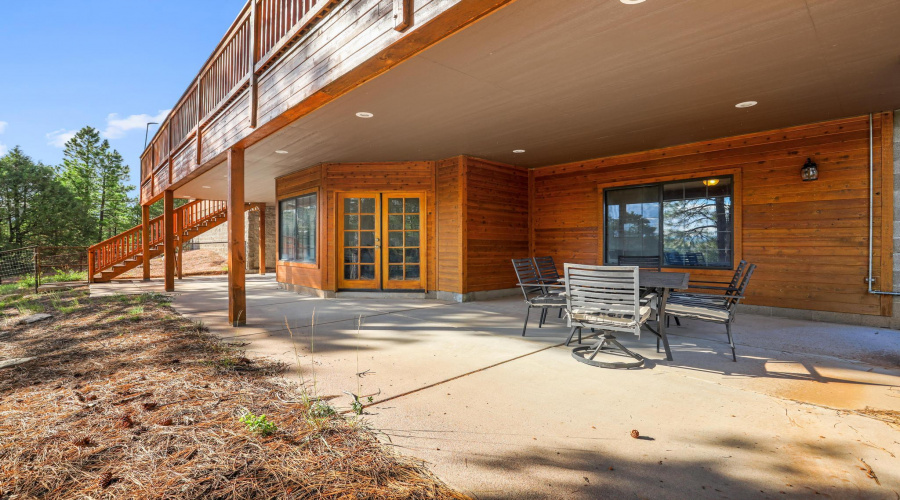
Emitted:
pixel 734 216
pixel 317 238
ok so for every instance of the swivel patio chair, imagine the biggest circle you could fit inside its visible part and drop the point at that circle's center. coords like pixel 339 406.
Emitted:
pixel 537 293
pixel 714 308
pixel 605 298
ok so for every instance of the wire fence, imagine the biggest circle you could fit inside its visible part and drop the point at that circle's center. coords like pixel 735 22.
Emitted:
pixel 42 263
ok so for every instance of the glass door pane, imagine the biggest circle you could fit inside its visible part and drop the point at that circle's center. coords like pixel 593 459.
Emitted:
pixel 404 259
pixel 360 242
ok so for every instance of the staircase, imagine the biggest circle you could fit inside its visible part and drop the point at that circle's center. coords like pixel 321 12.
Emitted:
pixel 124 252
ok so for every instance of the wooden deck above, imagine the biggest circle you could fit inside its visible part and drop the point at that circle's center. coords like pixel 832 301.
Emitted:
pixel 280 60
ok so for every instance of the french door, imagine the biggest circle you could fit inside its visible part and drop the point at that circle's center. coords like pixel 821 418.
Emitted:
pixel 381 241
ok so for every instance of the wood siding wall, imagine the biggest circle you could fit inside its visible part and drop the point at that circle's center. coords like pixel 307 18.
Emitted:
pixel 450 236
pixel 496 223
pixel 809 239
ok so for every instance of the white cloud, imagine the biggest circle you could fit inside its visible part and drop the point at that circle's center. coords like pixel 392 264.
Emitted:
pixel 3 149
pixel 3 126
pixel 59 138
pixel 116 127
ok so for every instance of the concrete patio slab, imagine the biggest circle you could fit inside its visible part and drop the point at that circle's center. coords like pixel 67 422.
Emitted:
pixel 499 416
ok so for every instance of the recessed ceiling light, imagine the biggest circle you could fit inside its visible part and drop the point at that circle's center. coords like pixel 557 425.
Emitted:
pixel 631 2
pixel 205 187
pixel 746 104
pixel 281 152
pixel 364 114
pixel 518 151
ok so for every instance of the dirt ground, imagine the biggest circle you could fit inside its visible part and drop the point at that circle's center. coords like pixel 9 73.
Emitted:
pixel 196 263
pixel 121 397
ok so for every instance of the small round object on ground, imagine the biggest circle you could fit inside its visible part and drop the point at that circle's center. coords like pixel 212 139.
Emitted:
pixel 635 434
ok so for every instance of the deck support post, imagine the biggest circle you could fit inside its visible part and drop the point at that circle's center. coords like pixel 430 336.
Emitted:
pixel 145 241
pixel 262 238
pixel 169 238
pixel 237 258
pixel 179 242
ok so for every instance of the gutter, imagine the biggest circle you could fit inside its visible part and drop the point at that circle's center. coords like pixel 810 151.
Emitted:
pixel 870 279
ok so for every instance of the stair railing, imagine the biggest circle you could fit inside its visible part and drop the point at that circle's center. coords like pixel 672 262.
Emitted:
pixel 128 244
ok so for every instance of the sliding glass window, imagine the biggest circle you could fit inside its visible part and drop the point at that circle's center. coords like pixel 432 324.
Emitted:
pixel 675 224
pixel 297 230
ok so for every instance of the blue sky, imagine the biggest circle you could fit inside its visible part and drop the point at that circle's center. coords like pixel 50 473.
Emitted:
pixel 113 65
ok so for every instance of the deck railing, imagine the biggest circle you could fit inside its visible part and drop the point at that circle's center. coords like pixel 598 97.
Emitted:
pixel 128 244
pixel 262 32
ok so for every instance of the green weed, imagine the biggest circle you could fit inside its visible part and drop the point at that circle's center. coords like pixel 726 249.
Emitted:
pixel 258 424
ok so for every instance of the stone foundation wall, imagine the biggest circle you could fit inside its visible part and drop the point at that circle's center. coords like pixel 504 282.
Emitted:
pixel 216 239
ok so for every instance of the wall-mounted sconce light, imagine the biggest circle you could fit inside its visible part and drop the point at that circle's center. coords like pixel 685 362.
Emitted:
pixel 711 182
pixel 810 171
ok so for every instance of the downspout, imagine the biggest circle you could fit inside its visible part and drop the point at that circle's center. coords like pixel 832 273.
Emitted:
pixel 869 279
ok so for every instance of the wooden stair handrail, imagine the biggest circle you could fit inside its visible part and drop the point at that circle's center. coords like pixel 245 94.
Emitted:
pixel 125 245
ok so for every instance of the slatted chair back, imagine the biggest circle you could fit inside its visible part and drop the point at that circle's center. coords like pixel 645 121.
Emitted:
pixel 732 302
pixel 738 272
pixel 546 268
pixel 604 297
pixel 527 274
pixel 644 262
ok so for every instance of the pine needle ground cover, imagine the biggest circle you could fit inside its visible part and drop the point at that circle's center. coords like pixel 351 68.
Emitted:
pixel 124 398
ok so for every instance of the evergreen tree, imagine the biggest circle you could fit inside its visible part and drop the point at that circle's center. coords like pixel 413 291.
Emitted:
pixel 35 207
pixel 97 176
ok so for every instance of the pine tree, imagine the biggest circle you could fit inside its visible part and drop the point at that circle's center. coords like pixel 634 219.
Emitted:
pixel 35 207
pixel 97 176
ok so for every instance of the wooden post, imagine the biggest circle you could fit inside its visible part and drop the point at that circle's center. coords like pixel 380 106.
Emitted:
pixel 90 265
pixel 402 14
pixel 145 240
pixel 262 238
pixel 237 258
pixel 169 238
pixel 179 241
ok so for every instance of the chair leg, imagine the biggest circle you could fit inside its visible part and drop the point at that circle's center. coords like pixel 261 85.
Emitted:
pixel 560 313
pixel 543 317
pixel 527 313
pixel 569 340
pixel 677 321
pixel 657 344
pixel 730 341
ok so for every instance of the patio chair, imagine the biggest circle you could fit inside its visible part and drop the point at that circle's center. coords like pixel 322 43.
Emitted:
pixel 715 308
pixel 546 269
pixel 605 298
pixel 643 262
pixel 729 287
pixel 537 293
pixel 548 274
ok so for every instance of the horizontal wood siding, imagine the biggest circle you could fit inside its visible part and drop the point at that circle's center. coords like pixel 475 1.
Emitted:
pixel 496 223
pixel 232 125
pixel 185 161
pixel 351 34
pixel 307 275
pixel 809 239
pixel 449 224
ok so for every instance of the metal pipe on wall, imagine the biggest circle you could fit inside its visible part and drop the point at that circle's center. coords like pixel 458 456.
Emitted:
pixel 869 279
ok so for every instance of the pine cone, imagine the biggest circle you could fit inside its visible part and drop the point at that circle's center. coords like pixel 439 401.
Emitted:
pixel 635 434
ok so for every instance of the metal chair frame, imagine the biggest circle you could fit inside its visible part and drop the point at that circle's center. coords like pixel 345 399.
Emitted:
pixel 537 293
pixel 714 308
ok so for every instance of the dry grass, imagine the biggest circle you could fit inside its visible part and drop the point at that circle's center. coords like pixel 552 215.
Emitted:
pixel 196 263
pixel 126 399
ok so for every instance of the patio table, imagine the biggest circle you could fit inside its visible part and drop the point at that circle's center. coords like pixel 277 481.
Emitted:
pixel 662 283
